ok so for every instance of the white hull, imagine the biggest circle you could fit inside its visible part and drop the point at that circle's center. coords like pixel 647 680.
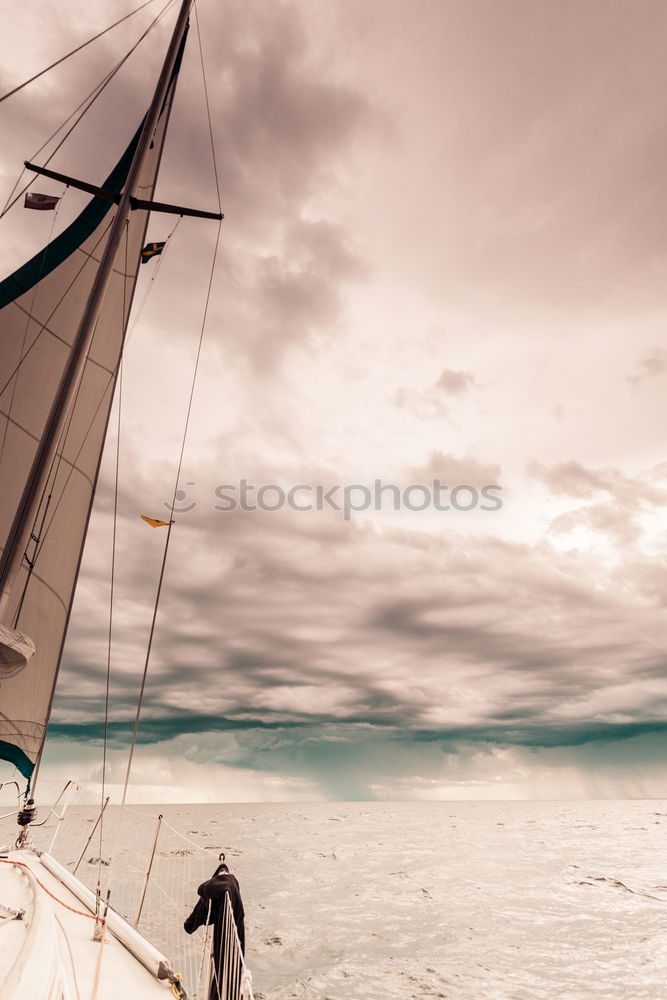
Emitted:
pixel 50 953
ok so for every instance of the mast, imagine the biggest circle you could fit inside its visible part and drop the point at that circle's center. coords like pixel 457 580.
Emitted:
pixel 19 535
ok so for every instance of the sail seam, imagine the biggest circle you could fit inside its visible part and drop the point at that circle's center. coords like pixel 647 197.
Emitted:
pixel 12 420
pixel 68 461
pixel 56 336
pixel 48 319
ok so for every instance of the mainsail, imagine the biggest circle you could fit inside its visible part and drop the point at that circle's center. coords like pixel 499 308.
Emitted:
pixel 40 309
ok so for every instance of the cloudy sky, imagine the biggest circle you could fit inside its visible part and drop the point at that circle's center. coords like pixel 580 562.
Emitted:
pixel 443 258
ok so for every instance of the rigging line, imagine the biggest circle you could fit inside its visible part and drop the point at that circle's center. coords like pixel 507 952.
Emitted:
pixel 73 52
pixel 27 321
pixel 168 538
pixel 86 104
pixel 208 110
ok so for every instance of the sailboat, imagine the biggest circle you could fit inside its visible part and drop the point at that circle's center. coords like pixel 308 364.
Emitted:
pixel 63 317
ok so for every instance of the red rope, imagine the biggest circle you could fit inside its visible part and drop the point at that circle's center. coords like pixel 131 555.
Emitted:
pixel 20 864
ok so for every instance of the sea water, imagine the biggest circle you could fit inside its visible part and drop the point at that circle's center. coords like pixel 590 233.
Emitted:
pixel 373 901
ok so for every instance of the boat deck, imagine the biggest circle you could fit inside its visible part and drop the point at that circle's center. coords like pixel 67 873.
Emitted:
pixel 50 953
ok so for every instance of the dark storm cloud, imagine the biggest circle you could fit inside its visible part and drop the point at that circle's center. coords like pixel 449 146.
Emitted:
pixel 298 623
pixel 348 762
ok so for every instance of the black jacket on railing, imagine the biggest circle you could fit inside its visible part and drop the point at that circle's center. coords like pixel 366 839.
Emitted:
pixel 214 891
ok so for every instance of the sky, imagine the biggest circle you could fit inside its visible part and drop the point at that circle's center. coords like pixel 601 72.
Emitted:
pixel 442 260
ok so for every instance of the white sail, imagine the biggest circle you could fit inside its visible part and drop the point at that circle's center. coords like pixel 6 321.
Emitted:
pixel 40 309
